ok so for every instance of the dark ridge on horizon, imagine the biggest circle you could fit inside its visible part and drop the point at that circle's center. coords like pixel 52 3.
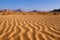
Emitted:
pixel 19 10
pixel 55 10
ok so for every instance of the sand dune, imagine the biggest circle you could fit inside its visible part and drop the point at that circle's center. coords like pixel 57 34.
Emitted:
pixel 29 27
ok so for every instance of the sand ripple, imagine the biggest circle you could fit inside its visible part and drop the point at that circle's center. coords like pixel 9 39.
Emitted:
pixel 24 29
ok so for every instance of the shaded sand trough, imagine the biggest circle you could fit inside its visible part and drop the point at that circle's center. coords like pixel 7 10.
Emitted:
pixel 29 27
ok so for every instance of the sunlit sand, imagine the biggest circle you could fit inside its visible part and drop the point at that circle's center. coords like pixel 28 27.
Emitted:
pixel 29 26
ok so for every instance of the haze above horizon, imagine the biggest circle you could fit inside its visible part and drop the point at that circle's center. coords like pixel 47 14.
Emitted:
pixel 28 5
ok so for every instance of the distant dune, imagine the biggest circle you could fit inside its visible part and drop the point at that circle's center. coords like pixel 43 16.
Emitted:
pixel 7 12
pixel 29 26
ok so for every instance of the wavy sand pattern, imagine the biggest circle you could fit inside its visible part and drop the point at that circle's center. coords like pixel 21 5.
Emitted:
pixel 29 27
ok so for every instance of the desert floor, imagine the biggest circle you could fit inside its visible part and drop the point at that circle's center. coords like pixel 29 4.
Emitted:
pixel 29 27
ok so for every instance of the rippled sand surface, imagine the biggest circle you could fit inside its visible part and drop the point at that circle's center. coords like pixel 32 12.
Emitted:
pixel 29 27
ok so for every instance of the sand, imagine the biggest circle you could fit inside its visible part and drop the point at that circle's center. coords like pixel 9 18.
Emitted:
pixel 29 27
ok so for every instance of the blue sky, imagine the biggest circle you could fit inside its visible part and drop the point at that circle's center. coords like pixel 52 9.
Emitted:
pixel 27 5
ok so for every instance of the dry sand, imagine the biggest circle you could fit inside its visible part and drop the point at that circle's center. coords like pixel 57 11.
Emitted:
pixel 29 27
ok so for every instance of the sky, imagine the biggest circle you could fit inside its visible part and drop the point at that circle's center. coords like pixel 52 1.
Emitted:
pixel 28 5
